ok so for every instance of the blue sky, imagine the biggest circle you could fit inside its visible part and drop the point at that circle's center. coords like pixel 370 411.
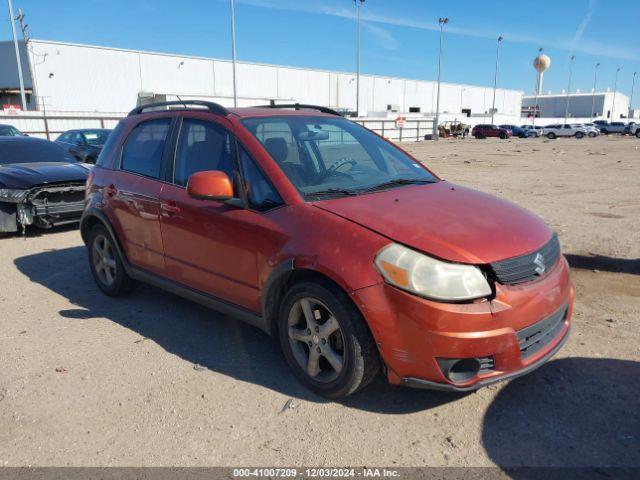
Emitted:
pixel 399 37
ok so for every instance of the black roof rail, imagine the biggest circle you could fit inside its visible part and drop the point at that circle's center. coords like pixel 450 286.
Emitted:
pixel 300 106
pixel 212 107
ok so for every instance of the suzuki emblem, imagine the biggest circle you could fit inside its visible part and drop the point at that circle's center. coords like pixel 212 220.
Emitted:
pixel 540 266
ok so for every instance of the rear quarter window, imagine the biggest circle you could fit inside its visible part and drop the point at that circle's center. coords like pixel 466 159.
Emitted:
pixel 142 152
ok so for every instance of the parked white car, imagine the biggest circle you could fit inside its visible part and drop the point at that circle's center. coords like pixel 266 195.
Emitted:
pixel 533 131
pixel 564 130
pixel 592 131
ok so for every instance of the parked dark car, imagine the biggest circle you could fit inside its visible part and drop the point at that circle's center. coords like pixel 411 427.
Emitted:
pixel 10 131
pixel 84 145
pixel 516 131
pixel 485 130
pixel 40 184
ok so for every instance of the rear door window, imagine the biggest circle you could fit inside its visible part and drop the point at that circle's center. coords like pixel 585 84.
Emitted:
pixel 142 152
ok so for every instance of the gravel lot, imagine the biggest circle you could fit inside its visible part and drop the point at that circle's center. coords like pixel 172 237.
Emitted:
pixel 155 380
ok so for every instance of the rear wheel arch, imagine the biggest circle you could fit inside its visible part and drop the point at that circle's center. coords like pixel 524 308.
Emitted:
pixel 94 217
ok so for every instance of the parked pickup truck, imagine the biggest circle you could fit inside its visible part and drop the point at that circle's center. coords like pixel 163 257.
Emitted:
pixel 564 130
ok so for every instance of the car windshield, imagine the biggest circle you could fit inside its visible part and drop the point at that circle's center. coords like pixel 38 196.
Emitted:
pixel 96 137
pixel 325 156
pixel 9 131
pixel 31 151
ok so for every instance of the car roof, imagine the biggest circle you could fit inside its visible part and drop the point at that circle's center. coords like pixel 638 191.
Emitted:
pixel 23 140
pixel 246 112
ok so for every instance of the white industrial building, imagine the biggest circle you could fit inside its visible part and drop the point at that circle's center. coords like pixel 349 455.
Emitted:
pixel 612 106
pixel 66 77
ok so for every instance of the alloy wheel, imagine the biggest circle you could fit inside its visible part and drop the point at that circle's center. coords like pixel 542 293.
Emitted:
pixel 316 340
pixel 104 260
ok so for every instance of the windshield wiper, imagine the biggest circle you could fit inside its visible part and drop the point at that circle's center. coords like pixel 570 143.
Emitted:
pixel 397 182
pixel 332 192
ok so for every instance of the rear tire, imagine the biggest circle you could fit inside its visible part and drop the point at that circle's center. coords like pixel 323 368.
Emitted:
pixel 106 265
pixel 478 136
pixel 325 340
pixel 503 136
pixel 551 135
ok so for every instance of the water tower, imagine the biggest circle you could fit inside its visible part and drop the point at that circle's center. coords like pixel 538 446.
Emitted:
pixel 541 63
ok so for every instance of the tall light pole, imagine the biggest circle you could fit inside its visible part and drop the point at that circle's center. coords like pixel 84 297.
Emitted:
pixel 566 108
pixel 615 87
pixel 495 78
pixel 633 85
pixel 358 4
pixel 18 59
pixel 442 21
pixel 593 93
pixel 233 53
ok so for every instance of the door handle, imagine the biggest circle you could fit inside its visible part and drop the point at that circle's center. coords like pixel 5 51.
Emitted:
pixel 169 208
pixel 111 190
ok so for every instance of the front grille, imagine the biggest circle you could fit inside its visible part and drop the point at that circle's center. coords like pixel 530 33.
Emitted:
pixel 528 267
pixel 534 337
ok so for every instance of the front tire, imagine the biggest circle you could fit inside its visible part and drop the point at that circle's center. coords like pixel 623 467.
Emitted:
pixel 579 135
pixel 551 135
pixel 592 134
pixel 503 136
pixel 106 265
pixel 325 340
pixel 638 133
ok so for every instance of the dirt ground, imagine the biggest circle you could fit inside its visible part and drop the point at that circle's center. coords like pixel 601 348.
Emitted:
pixel 155 380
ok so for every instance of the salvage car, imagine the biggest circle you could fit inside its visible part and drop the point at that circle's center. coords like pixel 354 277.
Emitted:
pixel 349 251
pixel 40 184
pixel 85 145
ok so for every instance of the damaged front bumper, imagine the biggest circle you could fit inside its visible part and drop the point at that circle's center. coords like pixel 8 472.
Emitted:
pixel 43 206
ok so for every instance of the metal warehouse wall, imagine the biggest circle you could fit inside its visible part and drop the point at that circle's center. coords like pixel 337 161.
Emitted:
pixel 580 105
pixel 72 77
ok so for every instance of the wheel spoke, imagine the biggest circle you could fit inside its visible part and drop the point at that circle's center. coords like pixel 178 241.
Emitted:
pixel 308 312
pixel 330 326
pixel 109 275
pixel 333 358
pixel 313 365
pixel 298 334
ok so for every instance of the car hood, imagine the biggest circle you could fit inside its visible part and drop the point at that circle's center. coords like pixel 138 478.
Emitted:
pixel 27 175
pixel 447 221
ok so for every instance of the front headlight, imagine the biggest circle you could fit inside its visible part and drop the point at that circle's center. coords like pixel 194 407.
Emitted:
pixel 12 195
pixel 431 278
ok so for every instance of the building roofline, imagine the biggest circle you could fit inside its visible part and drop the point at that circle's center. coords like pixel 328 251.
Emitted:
pixel 196 57
pixel 581 94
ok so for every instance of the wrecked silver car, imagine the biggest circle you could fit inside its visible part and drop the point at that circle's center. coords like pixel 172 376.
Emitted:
pixel 40 184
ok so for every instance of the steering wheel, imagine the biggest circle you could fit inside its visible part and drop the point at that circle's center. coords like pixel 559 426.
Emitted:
pixel 333 169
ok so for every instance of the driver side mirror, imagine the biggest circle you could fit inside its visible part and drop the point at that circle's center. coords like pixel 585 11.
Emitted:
pixel 210 185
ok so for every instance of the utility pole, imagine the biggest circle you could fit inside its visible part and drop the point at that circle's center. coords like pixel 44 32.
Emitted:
pixel 18 59
pixel 358 4
pixel 593 94
pixel 633 85
pixel 495 78
pixel 233 53
pixel 566 108
pixel 442 21
pixel 615 87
